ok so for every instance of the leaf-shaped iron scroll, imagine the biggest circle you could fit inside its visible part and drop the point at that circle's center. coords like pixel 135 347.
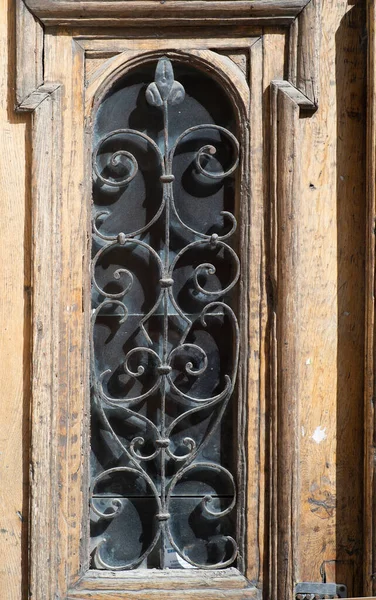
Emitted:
pixel 164 88
pixel 149 457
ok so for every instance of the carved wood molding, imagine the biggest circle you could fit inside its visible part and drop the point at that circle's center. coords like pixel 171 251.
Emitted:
pixel 286 102
pixel 33 16
pixel 59 221
pixel 114 13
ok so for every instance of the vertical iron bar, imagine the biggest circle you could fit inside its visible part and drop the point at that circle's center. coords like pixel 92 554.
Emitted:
pixel 166 191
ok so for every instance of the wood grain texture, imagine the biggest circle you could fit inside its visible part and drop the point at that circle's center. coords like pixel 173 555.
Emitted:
pixel 332 302
pixel 226 584
pixel 70 396
pixel 370 351
pixel 324 530
pixel 305 50
pixel 15 313
pixel 176 594
pixel 45 133
pixel 59 342
pixel 29 35
pixel 256 324
pixel 235 82
pixel 273 48
pixel 163 580
pixel 286 162
pixel 110 13
pixel 302 17
pixel 59 365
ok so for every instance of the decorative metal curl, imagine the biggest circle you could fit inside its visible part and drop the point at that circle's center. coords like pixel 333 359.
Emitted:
pixel 209 267
pixel 189 368
pixel 121 272
pixel 116 505
pixel 140 371
pixel 98 559
pixel 128 449
pixel 204 503
pixel 110 302
pixel 209 150
pixel 116 157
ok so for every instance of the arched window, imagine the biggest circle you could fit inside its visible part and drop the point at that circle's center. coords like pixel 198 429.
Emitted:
pixel 165 331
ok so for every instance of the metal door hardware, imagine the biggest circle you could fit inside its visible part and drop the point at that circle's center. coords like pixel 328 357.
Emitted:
pixel 308 590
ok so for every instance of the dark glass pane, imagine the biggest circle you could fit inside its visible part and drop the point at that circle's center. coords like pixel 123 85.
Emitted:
pixel 165 335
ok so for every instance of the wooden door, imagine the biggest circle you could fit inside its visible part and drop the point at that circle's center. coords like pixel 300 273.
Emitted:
pixel 306 69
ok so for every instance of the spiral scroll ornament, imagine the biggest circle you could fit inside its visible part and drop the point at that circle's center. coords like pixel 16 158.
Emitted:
pixel 160 456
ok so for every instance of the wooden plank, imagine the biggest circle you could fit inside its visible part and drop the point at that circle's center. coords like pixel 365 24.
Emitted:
pixel 218 22
pixel 155 579
pixel 95 46
pixel 64 62
pixel 369 383
pixel 29 48
pixel 176 594
pixel 306 51
pixel 256 322
pixel 331 258
pixel 288 325
pixel 45 135
pixel 37 96
pixel 15 292
pixel 274 48
pixel 112 13
pixel 98 56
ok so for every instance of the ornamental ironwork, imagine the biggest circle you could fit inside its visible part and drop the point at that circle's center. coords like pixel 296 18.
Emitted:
pixel 174 354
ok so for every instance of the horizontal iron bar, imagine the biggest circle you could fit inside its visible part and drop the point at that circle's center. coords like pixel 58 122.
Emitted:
pixel 208 314
pixel 103 496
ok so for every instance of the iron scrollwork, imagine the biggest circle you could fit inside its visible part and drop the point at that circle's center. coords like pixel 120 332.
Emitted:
pixel 162 360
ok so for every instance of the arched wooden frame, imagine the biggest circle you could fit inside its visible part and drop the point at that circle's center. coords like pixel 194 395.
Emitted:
pixel 60 90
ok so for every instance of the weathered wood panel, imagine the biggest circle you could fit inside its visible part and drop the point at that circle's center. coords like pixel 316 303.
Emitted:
pixel 14 320
pixel 328 518
pixel 114 13
pixel 369 391
pixel 331 339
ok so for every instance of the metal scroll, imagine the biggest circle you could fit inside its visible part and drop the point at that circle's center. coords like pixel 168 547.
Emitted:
pixel 160 357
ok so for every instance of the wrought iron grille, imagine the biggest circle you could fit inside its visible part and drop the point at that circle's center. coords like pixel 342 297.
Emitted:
pixel 165 337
